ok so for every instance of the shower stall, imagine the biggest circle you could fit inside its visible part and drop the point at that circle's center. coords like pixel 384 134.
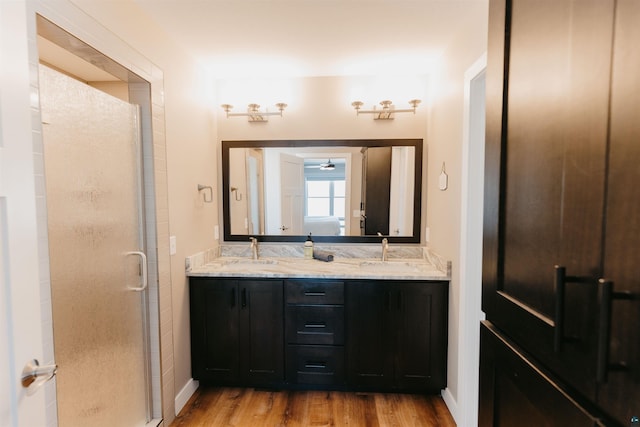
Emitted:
pixel 95 216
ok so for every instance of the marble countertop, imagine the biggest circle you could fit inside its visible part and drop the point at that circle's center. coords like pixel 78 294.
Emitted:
pixel 339 268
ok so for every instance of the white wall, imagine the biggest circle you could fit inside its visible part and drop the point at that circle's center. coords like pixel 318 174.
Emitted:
pixel 320 108
pixel 444 207
pixel 189 159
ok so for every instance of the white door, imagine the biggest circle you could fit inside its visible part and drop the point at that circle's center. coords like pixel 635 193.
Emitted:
pixel 21 325
pixel 292 190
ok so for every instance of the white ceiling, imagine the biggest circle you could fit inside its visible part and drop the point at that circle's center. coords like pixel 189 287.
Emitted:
pixel 241 38
pixel 301 38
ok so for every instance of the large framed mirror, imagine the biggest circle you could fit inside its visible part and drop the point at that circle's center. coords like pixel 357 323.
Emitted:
pixel 340 191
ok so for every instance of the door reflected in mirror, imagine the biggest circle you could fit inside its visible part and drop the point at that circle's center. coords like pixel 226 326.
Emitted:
pixel 336 190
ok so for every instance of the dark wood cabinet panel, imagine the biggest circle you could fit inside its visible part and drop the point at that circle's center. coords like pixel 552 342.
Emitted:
pixel 215 339
pixel 514 392
pixel 619 390
pixel 561 177
pixel 237 331
pixel 369 334
pixel 396 335
pixel 421 330
pixel 548 88
pixel 376 181
pixel 262 341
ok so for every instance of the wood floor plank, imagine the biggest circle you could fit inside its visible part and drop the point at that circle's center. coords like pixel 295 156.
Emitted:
pixel 246 407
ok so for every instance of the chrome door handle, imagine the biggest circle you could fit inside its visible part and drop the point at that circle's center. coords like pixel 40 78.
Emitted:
pixel 34 375
pixel 143 261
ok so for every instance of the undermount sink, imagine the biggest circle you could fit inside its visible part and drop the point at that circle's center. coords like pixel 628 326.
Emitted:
pixel 383 266
pixel 250 261
pixel 239 265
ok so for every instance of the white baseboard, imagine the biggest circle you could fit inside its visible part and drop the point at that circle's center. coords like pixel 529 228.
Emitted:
pixel 185 394
pixel 451 404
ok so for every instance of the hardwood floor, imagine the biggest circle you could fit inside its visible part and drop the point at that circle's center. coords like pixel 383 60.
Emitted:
pixel 250 407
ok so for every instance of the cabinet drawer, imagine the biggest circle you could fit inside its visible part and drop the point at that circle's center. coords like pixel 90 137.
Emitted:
pixel 315 364
pixel 314 292
pixel 315 324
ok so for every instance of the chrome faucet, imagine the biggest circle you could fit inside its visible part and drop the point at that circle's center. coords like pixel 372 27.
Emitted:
pixel 385 248
pixel 254 247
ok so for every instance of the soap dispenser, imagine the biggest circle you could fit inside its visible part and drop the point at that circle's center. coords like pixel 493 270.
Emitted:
pixel 308 247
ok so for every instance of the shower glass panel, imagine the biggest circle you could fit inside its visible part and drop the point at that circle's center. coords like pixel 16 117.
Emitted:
pixel 94 207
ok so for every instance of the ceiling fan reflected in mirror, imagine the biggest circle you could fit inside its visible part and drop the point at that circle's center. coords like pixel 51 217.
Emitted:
pixel 325 166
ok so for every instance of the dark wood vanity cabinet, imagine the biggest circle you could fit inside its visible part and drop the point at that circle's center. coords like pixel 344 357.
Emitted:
pixel 376 335
pixel 236 331
pixel 397 335
pixel 314 332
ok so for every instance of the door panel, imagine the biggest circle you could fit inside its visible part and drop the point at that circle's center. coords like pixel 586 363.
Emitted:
pixel 368 310
pixel 262 337
pixel 92 170
pixel 551 138
pixel 292 193
pixel 619 394
pixel 515 392
pixel 217 306
pixel 422 339
pixel 377 187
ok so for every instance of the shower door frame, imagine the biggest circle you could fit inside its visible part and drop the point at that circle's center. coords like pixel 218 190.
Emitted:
pixel 145 90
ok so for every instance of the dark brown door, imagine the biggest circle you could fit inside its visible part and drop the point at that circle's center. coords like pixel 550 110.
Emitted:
pixel 377 187
pixel 420 325
pixel 214 330
pixel 369 348
pixel 547 123
pixel 261 331
pixel 619 389
pixel 513 392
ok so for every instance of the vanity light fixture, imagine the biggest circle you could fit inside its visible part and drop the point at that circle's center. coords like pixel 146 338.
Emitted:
pixel 387 111
pixel 253 114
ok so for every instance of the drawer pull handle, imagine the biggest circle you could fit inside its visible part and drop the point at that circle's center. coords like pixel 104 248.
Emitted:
pixel 315 325
pixel 560 281
pixel 606 297
pixel 315 365
pixel 314 294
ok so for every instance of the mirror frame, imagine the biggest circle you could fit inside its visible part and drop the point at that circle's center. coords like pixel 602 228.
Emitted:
pixel 417 196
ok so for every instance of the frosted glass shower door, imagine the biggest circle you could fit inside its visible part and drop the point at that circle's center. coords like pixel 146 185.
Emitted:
pixel 93 197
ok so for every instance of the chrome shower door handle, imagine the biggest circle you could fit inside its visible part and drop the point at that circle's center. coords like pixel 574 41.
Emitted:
pixel 143 263
pixel 34 376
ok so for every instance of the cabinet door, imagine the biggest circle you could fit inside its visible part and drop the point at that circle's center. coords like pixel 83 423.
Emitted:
pixel 214 330
pixel 619 391
pixel 514 392
pixel 421 330
pixel 377 187
pixel 547 121
pixel 369 343
pixel 261 328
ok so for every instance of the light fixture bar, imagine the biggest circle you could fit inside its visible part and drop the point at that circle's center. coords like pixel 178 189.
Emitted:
pixel 387 111
pixel 253 112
